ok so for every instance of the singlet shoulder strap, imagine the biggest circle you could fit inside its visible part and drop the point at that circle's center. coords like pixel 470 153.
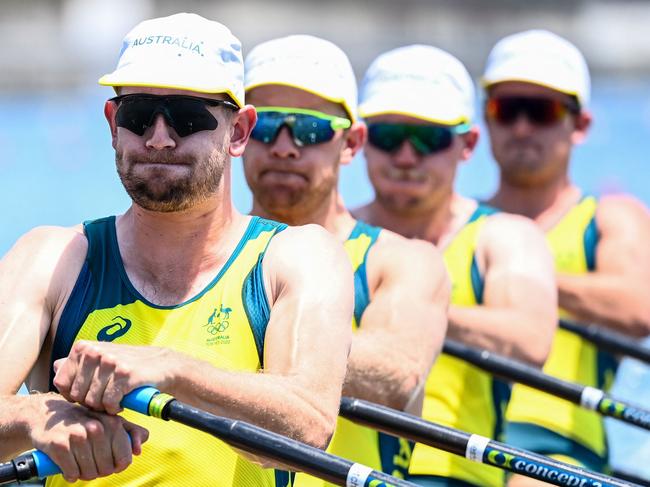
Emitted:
pixel 591 234
pixel 482 209
pixel 361 290
pixel 94 270
pixel 256 303
pixel 478 280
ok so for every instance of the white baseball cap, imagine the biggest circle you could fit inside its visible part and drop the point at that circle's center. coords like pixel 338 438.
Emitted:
pixel 542 58
pixel 183 51
pixel 418 81
pixel 307 63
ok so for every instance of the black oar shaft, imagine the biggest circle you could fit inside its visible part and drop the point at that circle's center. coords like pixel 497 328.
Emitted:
pixel 609 340
pixel 276 447
pixel 512 370
pixel 474 447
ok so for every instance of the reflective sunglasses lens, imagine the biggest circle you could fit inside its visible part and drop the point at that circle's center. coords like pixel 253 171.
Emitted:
pixel 387 137
pixel 186 115
pixel 430 139
pixel 189 115
pixel 267 127
pixel 540 111
pixel 309 130
pixel 135 114
pixel 426 139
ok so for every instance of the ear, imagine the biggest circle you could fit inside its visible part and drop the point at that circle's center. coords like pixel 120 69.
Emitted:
pixel 469 139
pixel 354 140
pixel 110 109
pixel 242 125
pixel 582 124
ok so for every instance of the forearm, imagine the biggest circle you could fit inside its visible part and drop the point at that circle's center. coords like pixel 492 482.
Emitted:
pixel 14 430
pixel 618 302
pixel 275 402
pixel 519 334
pixel 379 371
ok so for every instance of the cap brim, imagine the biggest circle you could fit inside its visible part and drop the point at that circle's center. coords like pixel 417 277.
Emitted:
pixel 151 77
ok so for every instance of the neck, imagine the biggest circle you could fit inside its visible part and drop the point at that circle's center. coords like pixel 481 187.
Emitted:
pixel 331 214
pixel 535 201
pixel 193 240
pixel 435 225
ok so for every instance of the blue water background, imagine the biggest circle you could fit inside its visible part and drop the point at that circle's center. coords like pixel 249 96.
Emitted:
pixel 57 168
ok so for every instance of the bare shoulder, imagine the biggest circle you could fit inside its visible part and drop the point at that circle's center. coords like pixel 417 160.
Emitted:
pixel 413 263
pixel 43 265
pixel 47 245
pixel 305 256
pixel 622 211
pixel 392 247
pixel 507 230
pixel 303 243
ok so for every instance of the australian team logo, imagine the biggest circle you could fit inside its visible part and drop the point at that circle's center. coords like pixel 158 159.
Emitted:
pixel 217 325
pixel 118 328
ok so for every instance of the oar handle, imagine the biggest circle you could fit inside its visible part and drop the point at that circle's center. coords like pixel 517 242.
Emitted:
pixel 137 400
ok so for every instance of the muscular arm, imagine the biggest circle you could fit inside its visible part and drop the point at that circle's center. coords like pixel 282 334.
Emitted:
pixel 402 329
pixel 29 296
pixel 36 278
pixel 617 294
pixel 309 281
pixel 519 312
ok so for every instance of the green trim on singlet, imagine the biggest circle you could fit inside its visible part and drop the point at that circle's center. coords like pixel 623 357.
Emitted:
pixel 254 297
pixel 478 283
pixel 361 291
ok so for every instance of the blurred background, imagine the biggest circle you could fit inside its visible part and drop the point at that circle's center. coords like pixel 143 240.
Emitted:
pixel 56 162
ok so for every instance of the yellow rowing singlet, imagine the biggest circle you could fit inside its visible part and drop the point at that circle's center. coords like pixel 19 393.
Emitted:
pixel 458 394
pixel 573 243
pixel 224 326
pixel 357 443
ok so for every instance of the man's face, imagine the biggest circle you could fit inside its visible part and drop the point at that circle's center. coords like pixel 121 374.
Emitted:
pixel 162 171
pixel 407 181
pixel 528 152
pixel 289 181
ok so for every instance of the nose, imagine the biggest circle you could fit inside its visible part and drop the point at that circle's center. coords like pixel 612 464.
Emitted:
pixel 522 126
pixel 283 147
pixel 159 135
pixel 406 156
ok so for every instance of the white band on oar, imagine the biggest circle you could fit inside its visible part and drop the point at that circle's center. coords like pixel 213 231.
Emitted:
pixel 476 446
pixel 591 397
pixel 357 475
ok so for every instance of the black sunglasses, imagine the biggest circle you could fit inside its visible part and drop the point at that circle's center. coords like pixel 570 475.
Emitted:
pixel 185 114
pixel 540 111
pixel 426 139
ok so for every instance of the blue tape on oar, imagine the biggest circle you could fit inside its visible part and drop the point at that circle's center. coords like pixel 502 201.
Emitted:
pixel 44 464
pixel 137 400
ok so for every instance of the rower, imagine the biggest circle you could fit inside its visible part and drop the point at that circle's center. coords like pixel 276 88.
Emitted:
pixel 305 94
pixel 226 312
pixel 418 103
pixel 537 97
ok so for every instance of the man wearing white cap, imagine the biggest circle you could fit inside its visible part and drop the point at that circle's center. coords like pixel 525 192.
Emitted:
pixel 537 97
pixel 305 93
pixel 418 104
pixel 197 299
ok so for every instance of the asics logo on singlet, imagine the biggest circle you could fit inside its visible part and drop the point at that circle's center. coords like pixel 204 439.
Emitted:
pixel 218 321
pixel 118 328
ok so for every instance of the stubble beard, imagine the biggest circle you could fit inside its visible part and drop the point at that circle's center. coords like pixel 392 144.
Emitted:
pixel 295 205
pixel 159 191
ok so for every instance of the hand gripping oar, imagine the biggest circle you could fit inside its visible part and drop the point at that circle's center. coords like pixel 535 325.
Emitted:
pixel 239 434
pixel 609 340
pixel 474 447
pixel 585 396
